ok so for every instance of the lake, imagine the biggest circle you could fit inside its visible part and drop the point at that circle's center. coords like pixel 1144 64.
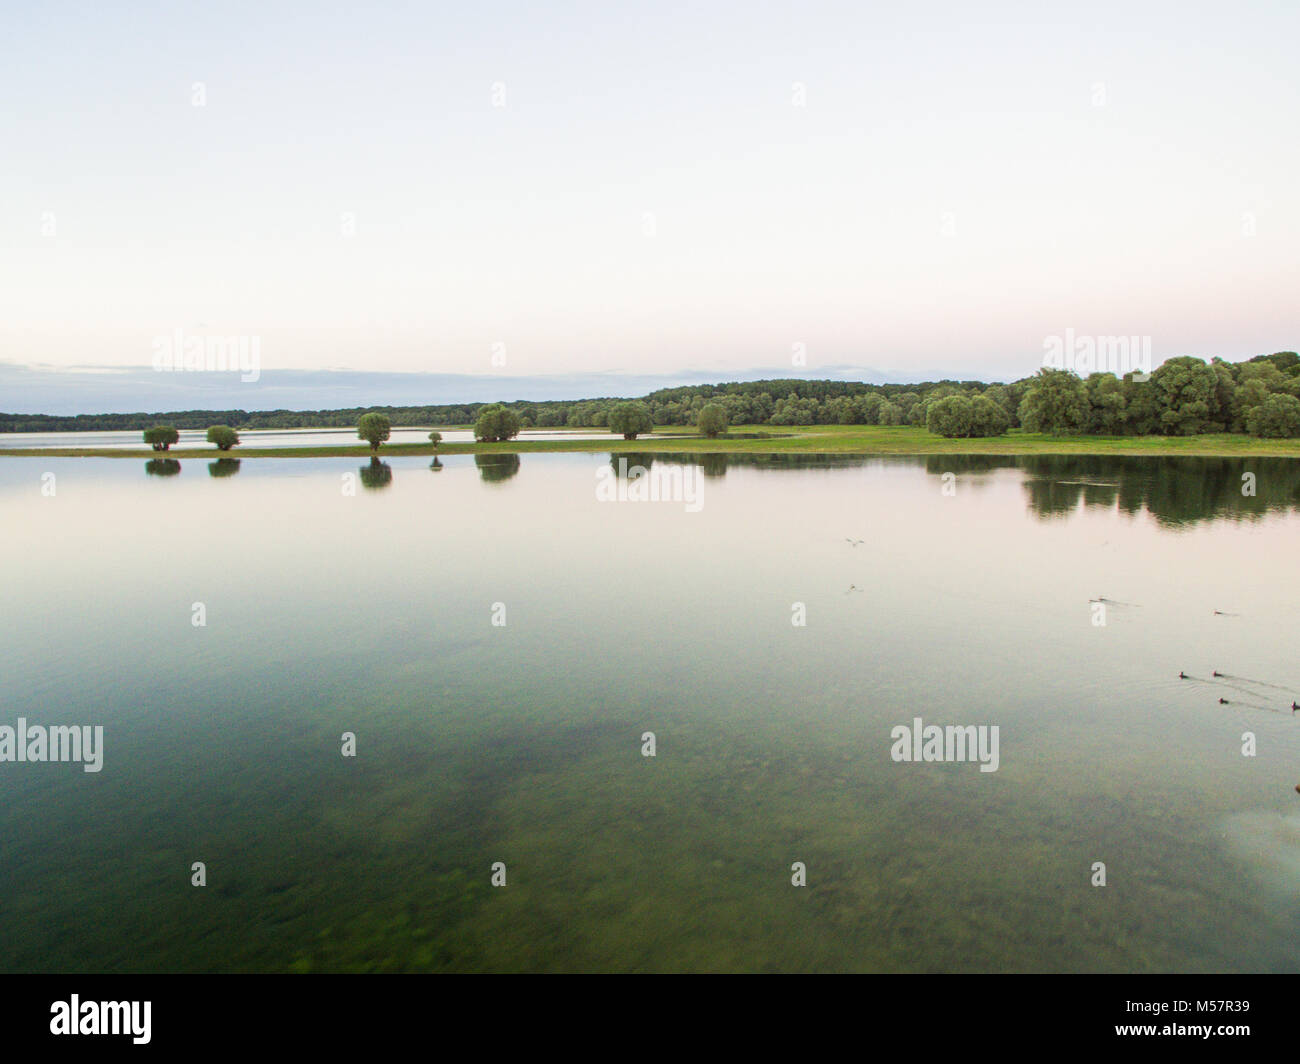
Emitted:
pixel 269 438
pixel 499 639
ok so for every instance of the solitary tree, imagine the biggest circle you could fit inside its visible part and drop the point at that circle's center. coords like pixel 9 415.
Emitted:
pixel 435 438
pixel 374 429
pixel 712 420
pixel 496 423
pixel 631 419
pixel 223 436
pixel 161 437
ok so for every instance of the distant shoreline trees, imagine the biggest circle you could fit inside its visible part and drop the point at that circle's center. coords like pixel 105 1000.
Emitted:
pixel 1182 396
pixel 956 415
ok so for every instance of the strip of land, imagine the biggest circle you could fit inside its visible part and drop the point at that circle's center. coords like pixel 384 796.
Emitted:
pixel 817 439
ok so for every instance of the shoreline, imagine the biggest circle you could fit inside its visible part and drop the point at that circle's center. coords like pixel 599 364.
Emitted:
pixel 821 439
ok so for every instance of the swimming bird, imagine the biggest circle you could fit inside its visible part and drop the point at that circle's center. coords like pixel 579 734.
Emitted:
pixel 1294 707
pixel 853 588
pixel 1216 672
pixel 1183 676
pixel 1224 702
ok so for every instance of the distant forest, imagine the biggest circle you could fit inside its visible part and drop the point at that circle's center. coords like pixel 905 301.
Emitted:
pixel 1183 396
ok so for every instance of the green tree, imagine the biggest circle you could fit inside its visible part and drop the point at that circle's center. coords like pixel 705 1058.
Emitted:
pixel 1001 395
pixel 1277 416
pixel 1141 406
pixel 630 419
pixel 961 416
pixel 988 418
pixel 223 436
pixel 374 429
pixel 949 415
pixel 161 437
pixel 1266 373
pixel 889 413
pixel 1246 398
pixel 435 438
pixel 1105 404
pixel 1287 361
pixel 1187 391
pixel 495 424
pixel 1056 402
pixel 712 420
pixel 867 408
pixel 1225 395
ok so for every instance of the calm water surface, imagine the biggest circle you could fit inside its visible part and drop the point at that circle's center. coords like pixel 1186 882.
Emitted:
pixel 371 613
pixel 275 438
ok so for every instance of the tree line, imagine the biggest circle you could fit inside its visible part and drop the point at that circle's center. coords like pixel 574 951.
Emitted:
pixel 1183 396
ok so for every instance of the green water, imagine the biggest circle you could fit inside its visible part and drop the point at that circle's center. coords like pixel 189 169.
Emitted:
pixel 371 612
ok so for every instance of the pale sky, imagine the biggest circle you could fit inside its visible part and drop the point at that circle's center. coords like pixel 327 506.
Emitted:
pixel 648 187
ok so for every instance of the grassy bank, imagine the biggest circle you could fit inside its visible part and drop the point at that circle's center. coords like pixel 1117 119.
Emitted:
pixel 818 439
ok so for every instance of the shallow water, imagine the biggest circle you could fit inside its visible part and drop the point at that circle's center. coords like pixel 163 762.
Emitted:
pixel 269 438
pixel 371 613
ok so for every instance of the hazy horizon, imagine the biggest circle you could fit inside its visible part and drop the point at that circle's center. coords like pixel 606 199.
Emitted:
pixel 140 389
pixel 653 191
